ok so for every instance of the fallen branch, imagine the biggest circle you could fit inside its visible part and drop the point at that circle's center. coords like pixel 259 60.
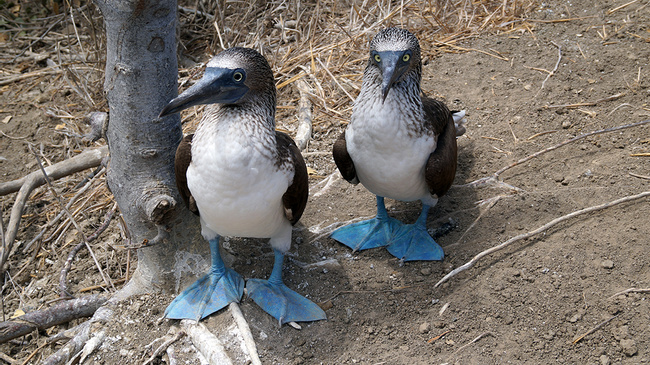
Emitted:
pixel 543 228
pixel 102 316
pixel 24 186
pixel 245 332
pixel 85 160
pixel 8 359
pixel 57 314
pixel 303 134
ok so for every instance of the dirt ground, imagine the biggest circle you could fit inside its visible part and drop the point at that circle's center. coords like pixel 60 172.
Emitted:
pixel 528 303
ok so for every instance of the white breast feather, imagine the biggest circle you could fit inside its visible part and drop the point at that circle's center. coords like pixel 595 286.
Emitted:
pixel 389 160
pixel 237 186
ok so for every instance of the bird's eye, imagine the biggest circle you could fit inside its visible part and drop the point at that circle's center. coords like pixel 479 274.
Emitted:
pixel 238 76
pixel 406 57
pixel 377 58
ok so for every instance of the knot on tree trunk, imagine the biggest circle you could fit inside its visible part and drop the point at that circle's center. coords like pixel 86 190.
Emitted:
pixel 158 207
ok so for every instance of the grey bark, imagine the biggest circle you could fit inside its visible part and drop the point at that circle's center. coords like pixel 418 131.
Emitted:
pixel 60 313
pixel 141 77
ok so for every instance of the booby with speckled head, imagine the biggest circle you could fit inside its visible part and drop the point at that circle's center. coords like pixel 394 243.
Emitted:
pixel 244 179
pixel 399 144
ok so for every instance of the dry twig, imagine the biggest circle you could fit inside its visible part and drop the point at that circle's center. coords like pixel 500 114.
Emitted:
pixel 494 178
pixel 541 229
pixel 591 103
pixel 474 341
pixel 63 286
pixel 599 326
pixel 164 347
pixel 74 222
pixel 631 290
pixel 85 160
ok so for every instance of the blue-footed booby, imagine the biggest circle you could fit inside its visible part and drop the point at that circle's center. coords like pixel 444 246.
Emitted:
pixel 399 144
pixel 244 179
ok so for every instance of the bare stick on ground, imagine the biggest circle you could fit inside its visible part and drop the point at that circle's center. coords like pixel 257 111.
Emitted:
pixel 164 347
pixel 245 332
pixel 541 229
pixel 552 72
pixel 63 286
pixel 57 314
pixel 24 186
pixel 474 341
pixel 599 326
pixel 494 178
pixel 71 217
pixel 303 134
pixel 102 315
pixel 206 342
pixel 631 290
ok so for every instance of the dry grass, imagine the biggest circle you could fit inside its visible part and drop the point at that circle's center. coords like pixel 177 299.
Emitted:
pixel 325 43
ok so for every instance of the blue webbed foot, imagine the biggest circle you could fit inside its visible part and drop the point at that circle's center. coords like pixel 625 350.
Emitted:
pixel 376 232
pixel 412 242
pixel 367 234
pixel 210 293
pixel 279 301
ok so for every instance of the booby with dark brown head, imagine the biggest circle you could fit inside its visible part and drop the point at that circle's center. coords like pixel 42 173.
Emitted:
pixel 244 179
pixel 399 144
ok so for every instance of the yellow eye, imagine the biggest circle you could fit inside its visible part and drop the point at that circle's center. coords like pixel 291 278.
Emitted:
pixel 377 58
pixel 406 57
pixel 238 76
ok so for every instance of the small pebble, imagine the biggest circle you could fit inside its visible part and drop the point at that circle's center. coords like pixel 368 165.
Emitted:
pixel 607 264
pixel 566 124
pixel 425 271
pixel 425 327
pixel 439 324
pixel 604 360
pixel 629 347
pixel 575 318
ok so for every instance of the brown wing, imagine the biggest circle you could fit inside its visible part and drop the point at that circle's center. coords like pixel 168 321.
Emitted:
pixel 295 198
pixel 343 160
pixel 441 166
pixel 181 163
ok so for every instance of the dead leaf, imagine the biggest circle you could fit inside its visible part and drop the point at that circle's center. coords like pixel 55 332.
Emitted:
pixel 19 312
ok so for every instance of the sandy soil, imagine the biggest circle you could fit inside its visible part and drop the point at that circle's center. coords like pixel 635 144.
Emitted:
pixel 525 304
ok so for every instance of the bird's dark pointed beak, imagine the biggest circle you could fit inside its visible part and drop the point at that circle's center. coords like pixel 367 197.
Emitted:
pixel 391 70
pixel 216 86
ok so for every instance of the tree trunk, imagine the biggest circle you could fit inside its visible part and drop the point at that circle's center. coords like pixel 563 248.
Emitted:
pixel 141 74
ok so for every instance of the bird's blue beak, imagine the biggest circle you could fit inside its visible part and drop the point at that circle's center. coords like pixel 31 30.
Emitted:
pixel 217 86
pixel 392 68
